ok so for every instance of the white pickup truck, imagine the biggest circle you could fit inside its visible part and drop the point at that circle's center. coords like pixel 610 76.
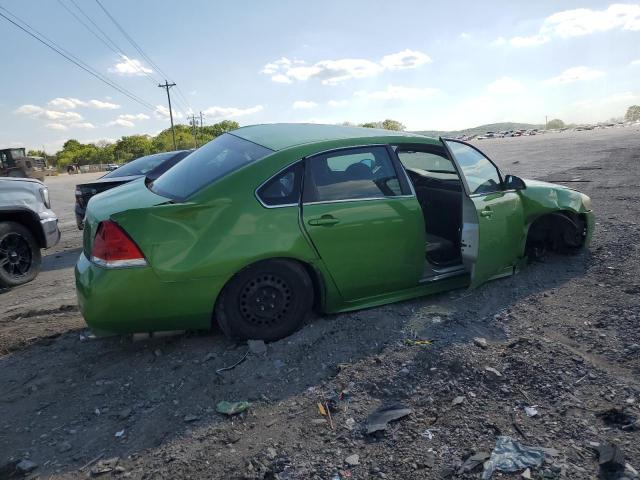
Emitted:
pixel 27 224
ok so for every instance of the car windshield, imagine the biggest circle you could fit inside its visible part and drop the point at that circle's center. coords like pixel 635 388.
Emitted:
pixel 141 165
pixel 221 156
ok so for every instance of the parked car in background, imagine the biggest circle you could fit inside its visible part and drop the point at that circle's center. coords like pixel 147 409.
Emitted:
pixel 111 167
pixel 150 166
pixel 27 224
pixel 263 223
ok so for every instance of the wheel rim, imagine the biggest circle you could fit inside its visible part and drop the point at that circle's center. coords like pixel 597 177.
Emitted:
pixel 265 300
pixel 15 255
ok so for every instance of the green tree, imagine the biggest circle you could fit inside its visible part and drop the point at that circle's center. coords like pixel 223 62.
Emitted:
pixel 555 124
pixel 633 113
pixel 370 125
pixel 132 147
pixel 395 125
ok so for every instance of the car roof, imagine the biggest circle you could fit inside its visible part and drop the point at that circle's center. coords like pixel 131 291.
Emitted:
pixel 278 136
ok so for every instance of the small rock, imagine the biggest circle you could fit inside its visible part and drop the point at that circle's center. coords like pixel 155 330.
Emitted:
pixel 257 347
pixel 120 434
pixel 404 371
pixel 531 411
pixel 526 474
pixel 279 364
pixel 271 453
pixel 352 460
pixel 124 413
pixel 481 342
pixel 350 423
pixel 493 370
pixel 64 447
pixel 190 418
pixel 318 421
pixel 458 400
pixel 26 466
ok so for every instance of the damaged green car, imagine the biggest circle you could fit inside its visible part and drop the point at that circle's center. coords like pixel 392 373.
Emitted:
pixel 263 224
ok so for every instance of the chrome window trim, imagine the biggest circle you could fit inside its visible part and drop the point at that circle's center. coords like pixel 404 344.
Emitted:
pixel 366 199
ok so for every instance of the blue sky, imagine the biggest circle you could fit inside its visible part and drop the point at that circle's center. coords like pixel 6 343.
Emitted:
pixel 443 65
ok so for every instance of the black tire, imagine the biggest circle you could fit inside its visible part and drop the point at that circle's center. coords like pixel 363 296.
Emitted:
pixel 266 301
pixel 19 255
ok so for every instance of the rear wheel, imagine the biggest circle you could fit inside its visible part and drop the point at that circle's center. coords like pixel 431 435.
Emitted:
pixel 267 301
pixel 19 255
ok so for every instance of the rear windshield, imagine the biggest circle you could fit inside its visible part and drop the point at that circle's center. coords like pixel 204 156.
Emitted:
pixel 141 166
pixel 219 157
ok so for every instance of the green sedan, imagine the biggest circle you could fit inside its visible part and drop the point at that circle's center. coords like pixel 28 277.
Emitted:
pixel 263 224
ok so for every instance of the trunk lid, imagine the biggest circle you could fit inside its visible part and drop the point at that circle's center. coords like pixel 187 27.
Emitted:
pixel 130 196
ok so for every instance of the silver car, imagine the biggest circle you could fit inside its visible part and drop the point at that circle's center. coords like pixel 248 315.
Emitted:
pixel 27 225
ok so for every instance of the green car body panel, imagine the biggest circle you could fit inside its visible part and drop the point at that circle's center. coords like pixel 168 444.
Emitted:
pixel 194 247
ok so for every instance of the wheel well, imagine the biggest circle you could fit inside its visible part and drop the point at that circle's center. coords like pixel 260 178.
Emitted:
pixel 28 220
pixel 562 231
pixel 315 276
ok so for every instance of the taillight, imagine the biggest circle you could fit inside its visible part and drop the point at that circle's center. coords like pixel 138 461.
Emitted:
pixel 113 248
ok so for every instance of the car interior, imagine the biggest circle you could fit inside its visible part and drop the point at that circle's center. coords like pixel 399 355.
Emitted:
pixel 439 191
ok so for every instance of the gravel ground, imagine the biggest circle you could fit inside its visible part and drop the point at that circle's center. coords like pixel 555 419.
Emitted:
pixel 562 336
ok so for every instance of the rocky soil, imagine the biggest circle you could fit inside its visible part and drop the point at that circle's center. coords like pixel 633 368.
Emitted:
pixel 549 357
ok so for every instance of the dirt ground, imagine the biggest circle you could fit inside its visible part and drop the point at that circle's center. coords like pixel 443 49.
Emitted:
pixel 561 336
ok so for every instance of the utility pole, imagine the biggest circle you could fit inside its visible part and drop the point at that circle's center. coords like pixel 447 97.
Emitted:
pixel 193 128
pixel 167 86
pixel 545 122
pixel 201 130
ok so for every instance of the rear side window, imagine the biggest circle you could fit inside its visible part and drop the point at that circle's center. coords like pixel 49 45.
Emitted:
pixel 282 189
pixel 221 156
pixel 351 174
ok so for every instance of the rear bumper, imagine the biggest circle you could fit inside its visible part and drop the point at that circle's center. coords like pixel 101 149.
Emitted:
pixel 51 231
pixel 133 300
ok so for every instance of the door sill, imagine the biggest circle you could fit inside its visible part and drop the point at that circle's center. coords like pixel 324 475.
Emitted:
pixel 433 274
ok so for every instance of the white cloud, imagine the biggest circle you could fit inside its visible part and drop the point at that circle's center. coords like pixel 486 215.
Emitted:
pixel 28 109
pixel 464 36
pixel 84 125
pixel 405 59
pixel 231 112
pixel 532 41
pixel 70 103
pixel 281 78
pixel 130 66
pixel 498 42
pixel 56 126
pixel 102 105
pixel 634 63
pixel 505 85
pixel 121 122
pixel 137 116
pixel 575 74
pixel 304 104
pixel 337 103
pixel 163 112
pixel 333 72
pixel 583 21
pixel 399 93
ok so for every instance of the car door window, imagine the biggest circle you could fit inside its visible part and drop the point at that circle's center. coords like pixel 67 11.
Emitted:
pixel 283 188
pixel 350 174
pixel 481 175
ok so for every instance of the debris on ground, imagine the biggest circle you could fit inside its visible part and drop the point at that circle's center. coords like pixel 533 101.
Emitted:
pixel 231 367
pixel 511 456
pixel 531 411
pixel 481 342
pixel 231 408
pixel 25 466
pixel 379 419
pixel 473 461
pixel 257 347
pixel 618 417
pixel 352 460
pixel 458 400
pixel 610 459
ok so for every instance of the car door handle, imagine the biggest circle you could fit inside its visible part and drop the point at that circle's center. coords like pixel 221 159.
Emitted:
pixel 325 220
pixel 486 212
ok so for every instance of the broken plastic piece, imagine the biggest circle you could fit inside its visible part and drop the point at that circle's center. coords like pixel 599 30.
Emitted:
pixel 511 456
pixel 231 408
pixel 379 419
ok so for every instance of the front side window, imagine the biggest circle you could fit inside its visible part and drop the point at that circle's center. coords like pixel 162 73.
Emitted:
pixel 284 188
pixel 221 156
pixel 351 174
pixel 481 175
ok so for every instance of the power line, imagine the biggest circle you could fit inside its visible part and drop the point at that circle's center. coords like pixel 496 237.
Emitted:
pixel 144 55
pixel 70 57
pixel 105 38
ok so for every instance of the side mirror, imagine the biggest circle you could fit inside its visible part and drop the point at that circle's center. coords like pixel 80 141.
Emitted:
pixel 512 182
